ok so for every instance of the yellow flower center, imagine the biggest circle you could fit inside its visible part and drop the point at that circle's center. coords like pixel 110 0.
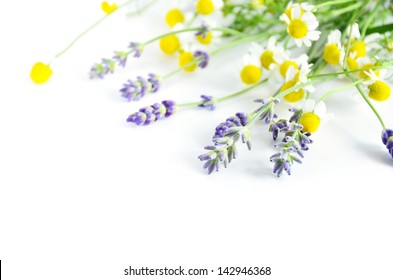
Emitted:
pixel 332 54
pixel 310 122
pixel 352 64
pixel 207 40
pixel 284 67
pixel 267 59
pixel 288 12
pixel 359 47
pixel 363 74
pixel 40 73
pixel 186 58
pixel 251 74
pixel 108 8
pixel 379 91
pixel 294 96
pixel 297 28
pixel 170 44
pixel 174 17
pixel 205 7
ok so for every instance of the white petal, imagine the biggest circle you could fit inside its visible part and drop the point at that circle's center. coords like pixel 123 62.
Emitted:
pixel 295 12
pixel 309 105
pixel 320 109
pixel 307 42
pixel 298 42
pixel 285 18
pixel 313 35
pixel 291 73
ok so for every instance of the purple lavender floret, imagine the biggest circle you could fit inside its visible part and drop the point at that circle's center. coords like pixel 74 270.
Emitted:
pixel 205 29
pixel 134 90
pixel 120 58
pixel 226 136
pixel 136 49
pixel 208 102
pixel 387 139
pixel 99 70
pixel 267 109
pixel 203 58
pixel 155 112
pixel 297 113
pixel 240 119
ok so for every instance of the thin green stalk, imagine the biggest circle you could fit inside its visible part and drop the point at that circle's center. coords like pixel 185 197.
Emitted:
pixel 88 30
pixel 224 98
pixel 326 95
pixel 346 9
pixel 363 94
pixel 142 9
pixel 196 61
pixel 171 33
pixel 369 19
pixel 192 20
pixel 329 3
pixel 375 67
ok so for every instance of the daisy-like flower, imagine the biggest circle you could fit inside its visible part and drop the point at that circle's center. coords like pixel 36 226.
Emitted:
pixel 208 7
pixel 365 63
pixel 360 47
pixel 295 77
pixel 40 73
pixel 266 55
pixel 301 26
pixel 251 71
pixel 179 12
pixel 304 7
pixel 283 63
pixel 376 87
pixel 207 37
pixel 313 115
pixel 333 52
pixel 108 8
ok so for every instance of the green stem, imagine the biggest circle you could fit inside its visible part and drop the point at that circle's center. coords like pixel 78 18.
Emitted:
pixel 375 67
pixel 326 95
pixel 368 21
pixel 192 20
pixel 88 30
pixel 142 9
pixel 171 33
pixel 380 29
pixel 329 3
pixel 196 61
pixel 346 9
pixel 363 94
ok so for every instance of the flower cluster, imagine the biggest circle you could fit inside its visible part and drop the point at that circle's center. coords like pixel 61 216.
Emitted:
pixel 292 46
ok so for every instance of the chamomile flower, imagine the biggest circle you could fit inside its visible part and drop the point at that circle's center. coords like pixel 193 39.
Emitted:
pixel 251 71
pixel 172 43
pixel 292 79
pixel 283 62
pixel 352 62
pixel 208 7
pixel 333 52
pixel 187 58
pixel 108 8
pixel 366 63
pixel 301 26
pixel 304 7
pixel 357 46
pixel 314 115
pixel 179 12
pixel 266 55
pixel 207 37
pixel 376 87
pixel 40 73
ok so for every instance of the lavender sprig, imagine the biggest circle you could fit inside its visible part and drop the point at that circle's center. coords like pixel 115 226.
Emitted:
pixel 99 70
pixel 266 111
pixel 290 148
pixel 224 149
pixel 208 102
pixel 134 90
pixel 204 30
pixel 155 112
pixel 387 139
pixel 203 58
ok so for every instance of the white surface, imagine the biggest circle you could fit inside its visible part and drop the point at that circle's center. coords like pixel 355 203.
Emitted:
pixel 84 195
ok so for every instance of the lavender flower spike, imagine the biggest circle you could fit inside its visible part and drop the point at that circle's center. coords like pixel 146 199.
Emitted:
pixel 267 109
pixel 205 29
pixel 155 112
pixel 208 102
pixel 387 139
pixel 134 90
pixel 99 70
pixel 203 59
pixel 136 49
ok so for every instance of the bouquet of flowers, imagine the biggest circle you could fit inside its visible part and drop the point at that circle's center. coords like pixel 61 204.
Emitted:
pixel 292 45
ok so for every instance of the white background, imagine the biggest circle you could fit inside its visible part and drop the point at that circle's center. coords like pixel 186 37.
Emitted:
pixel 84 195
